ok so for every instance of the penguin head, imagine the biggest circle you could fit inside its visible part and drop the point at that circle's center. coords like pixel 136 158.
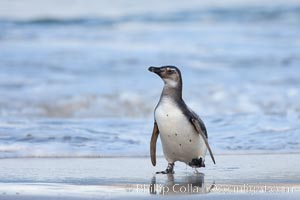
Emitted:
pixel 169 74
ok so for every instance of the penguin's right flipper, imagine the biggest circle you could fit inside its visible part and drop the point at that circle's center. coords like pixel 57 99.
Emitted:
pixel 197 126
pixel 154 136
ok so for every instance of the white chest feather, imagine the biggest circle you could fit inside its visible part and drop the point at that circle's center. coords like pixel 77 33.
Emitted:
pixel 179 139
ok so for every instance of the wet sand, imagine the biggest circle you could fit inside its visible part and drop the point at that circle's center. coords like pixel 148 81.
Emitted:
pixel 259 176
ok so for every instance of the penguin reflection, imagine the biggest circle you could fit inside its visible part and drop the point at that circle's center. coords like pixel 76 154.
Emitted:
pixel 190 184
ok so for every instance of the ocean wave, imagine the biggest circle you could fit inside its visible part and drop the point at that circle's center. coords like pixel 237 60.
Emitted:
pixel 233 14
pixel 57 21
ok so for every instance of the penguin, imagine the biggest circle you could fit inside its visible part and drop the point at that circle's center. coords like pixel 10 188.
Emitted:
pixel 183 134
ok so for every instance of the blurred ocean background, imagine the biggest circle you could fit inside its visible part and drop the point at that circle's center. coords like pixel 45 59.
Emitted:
pixel 74 79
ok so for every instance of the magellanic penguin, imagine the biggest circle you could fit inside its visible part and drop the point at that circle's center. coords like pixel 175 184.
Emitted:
pixel 183 134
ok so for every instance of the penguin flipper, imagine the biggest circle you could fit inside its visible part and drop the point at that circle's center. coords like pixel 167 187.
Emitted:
pixel 154 136
pixel 197 126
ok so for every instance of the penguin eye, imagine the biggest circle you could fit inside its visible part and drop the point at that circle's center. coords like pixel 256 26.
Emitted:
pixel 170 71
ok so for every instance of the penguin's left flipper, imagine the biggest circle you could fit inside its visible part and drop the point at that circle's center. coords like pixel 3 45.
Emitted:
pixel 154 136
pixel 197 126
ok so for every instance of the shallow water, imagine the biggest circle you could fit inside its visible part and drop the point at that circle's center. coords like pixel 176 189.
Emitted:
pixel 115 137
pixel 118 171
pixel 70 71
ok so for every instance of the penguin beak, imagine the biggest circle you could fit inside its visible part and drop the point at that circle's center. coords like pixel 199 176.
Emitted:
pixel 156 70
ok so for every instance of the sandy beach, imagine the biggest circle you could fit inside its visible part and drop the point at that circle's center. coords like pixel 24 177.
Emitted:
pixel 246 176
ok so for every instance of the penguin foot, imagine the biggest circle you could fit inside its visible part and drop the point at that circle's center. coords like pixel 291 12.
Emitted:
pixel 169 170
pixel 196 163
